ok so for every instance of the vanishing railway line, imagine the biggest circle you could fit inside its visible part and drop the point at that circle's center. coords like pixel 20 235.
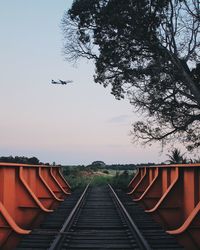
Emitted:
pixel 98 220
pixel 39 212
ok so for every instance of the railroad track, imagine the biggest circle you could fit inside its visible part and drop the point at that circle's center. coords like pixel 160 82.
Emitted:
pixel 99 220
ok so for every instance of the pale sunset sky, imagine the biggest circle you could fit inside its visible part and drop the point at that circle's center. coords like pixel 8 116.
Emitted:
pixel 73 124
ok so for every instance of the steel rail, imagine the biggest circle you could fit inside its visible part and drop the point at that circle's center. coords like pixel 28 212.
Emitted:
pixel 133 227
pixel 69 219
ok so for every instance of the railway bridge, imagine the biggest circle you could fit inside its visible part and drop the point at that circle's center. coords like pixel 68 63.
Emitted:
pixel 160 210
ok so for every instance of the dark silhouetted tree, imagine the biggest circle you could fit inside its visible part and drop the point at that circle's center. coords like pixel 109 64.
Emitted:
pixel 20 159
pixel 34 160
pixel 176 157
pixel 148 50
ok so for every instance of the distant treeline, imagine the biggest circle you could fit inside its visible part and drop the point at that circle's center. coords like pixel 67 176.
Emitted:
pixel 127 166
pixel 101 164
pixel 21 159
pixel 96 167
pixel 93 166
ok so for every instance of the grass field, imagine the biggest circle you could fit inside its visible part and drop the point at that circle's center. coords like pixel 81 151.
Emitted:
pixel 79 177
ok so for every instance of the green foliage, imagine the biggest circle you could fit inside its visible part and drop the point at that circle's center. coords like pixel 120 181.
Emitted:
pixel 80 181
pixel 101 180
pixel 92 168
pixel 118 167
pixel 98 163
pixel 105 171
pixel 121 180
pixel 77 182
pixel 80 176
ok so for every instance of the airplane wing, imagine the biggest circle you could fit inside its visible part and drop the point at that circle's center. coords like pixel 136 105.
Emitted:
pixel 69 81
pixel 62 82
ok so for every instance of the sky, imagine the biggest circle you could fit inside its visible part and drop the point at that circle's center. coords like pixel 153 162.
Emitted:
pixel 71 124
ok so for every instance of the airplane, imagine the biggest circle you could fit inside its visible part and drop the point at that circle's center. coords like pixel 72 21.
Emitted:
pixel 61 82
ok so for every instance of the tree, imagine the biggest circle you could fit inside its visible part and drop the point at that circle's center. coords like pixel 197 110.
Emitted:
pixel 20 159
pixel 100 164
pixel 149 51
pixel 34 160
pixel 176 157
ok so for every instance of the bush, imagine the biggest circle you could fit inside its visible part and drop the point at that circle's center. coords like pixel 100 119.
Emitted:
pixel 121 180
pixel 105 171
pixel 101 180
pixel 79 177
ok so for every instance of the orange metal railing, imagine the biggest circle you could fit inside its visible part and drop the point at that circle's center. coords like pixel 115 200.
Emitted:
pixel 27 194
pixel 171 194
